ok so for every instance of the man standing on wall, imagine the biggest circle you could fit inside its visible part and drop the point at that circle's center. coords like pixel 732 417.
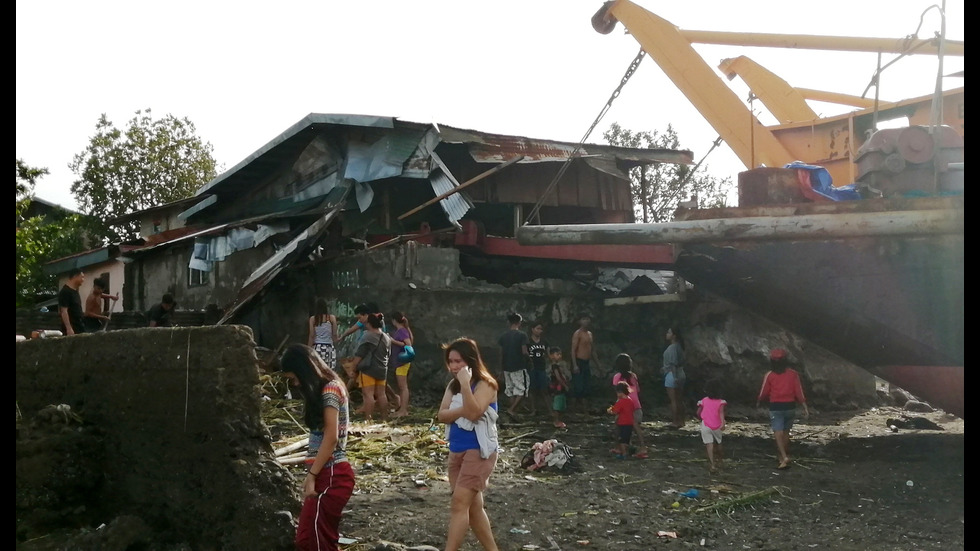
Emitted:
pixel 514 357
pixel 583 353
pixel 159 314
pixel 70 303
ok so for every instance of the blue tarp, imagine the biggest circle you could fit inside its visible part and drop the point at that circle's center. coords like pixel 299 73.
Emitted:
pixel 822 183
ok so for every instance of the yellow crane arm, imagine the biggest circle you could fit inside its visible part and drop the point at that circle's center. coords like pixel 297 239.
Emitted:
pixel 785 103
pixel 801 135
pixel 751 141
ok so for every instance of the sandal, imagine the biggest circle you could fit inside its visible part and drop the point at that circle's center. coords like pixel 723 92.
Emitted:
pixel 559 425
pixel 783 464
pixel 641 455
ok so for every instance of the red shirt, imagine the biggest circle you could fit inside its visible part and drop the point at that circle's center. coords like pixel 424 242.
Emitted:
pixel 781 388
pixel 623 408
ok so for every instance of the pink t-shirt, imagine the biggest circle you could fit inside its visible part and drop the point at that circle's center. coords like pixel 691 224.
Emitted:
pixel 711 412
pixel 634 388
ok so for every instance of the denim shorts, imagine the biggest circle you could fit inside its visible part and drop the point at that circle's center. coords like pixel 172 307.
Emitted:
pixel 781 419
pixel 671 382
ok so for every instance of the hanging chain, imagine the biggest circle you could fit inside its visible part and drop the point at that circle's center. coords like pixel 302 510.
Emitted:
pixel 629 72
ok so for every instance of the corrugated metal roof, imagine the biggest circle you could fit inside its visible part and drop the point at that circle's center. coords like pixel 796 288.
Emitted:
pixel 483 147
pixel 456 205
pixel 276 263
pixel 496 148
pixel 159 208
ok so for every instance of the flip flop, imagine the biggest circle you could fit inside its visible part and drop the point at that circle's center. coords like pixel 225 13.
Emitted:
pixel 641 455
pixel 783 465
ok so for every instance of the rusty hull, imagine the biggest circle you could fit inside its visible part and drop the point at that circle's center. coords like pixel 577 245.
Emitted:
pixel 875 301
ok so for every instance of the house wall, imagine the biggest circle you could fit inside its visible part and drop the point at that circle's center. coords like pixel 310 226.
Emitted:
pixel 116 271
pixel 166 272
pixel 160 221
pixel 723 342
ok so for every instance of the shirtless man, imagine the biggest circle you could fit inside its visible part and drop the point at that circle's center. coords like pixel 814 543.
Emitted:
pixel 93 318
pixel 582 354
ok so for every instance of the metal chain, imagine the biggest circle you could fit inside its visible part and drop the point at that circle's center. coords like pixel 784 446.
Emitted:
pixel 564 167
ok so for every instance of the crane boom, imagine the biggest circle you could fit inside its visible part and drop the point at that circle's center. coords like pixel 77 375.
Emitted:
pixel 831 142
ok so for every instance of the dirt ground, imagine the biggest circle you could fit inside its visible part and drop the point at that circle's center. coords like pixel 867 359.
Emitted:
pixel 855 483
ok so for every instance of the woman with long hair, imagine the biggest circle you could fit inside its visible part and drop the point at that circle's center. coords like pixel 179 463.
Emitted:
pixel 323 332
pixel 329 480
pixel 782 389
pixel 624 373
pixel 674 375
pixel 401 338
pixel 469 407
pixel 371 358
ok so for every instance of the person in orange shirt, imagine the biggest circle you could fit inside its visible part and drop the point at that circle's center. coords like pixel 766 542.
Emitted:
pixel 782 389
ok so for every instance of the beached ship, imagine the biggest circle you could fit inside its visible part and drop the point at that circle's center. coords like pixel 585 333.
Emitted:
pixel 872 270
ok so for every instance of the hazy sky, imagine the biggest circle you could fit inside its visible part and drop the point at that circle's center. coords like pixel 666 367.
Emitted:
pixel 245 71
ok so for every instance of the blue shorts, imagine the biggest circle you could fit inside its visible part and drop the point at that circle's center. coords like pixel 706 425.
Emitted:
pixel 580 380
pixel 539 380
pixel 625 433
pixel 781 419
pixel 671 382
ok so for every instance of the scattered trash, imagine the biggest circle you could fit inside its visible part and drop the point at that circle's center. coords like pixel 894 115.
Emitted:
pixel 519 531
pixel 692 493
pixel 531 546
pixel 582 542
pixel 569 513
pixel 549 454
pixel 702 542
pixel 675 505
pixel 665 534
pixel 909 483
pixel 346 541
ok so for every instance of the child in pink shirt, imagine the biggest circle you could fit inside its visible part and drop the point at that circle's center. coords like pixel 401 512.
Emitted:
pixel 711 410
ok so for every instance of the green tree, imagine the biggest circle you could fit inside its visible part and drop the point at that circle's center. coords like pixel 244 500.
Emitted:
pixel 657 189
pixel 152 163
pixel 40 239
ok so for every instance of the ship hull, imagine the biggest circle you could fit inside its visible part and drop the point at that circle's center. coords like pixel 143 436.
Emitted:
pixel 890 304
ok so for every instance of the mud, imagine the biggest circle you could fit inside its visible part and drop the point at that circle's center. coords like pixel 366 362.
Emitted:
pixel 854 484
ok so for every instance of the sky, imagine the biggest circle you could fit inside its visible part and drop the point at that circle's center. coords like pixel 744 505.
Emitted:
pixel 243 72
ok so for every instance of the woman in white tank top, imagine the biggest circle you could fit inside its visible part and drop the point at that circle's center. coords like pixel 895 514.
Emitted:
pixel 323 333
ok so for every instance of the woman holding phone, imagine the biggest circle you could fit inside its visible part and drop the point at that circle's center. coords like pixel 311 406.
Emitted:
pixel 469 408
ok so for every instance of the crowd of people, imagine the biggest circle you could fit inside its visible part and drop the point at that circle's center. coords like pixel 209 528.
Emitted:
pixel 531 370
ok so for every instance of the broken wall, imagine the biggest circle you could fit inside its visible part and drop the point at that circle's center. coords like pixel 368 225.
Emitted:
pixel 168 430
pixel 723 342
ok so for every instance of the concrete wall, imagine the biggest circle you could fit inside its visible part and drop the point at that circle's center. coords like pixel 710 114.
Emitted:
pixel 723 342
pixel 175 436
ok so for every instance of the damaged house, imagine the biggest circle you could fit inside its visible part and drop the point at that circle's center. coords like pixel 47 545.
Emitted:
pixel 422 219
pixel 331 185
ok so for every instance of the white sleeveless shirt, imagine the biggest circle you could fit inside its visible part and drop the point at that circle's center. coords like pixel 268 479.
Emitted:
pixel 323 333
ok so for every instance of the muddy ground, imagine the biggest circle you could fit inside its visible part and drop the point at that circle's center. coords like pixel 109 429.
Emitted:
pixel 854 484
